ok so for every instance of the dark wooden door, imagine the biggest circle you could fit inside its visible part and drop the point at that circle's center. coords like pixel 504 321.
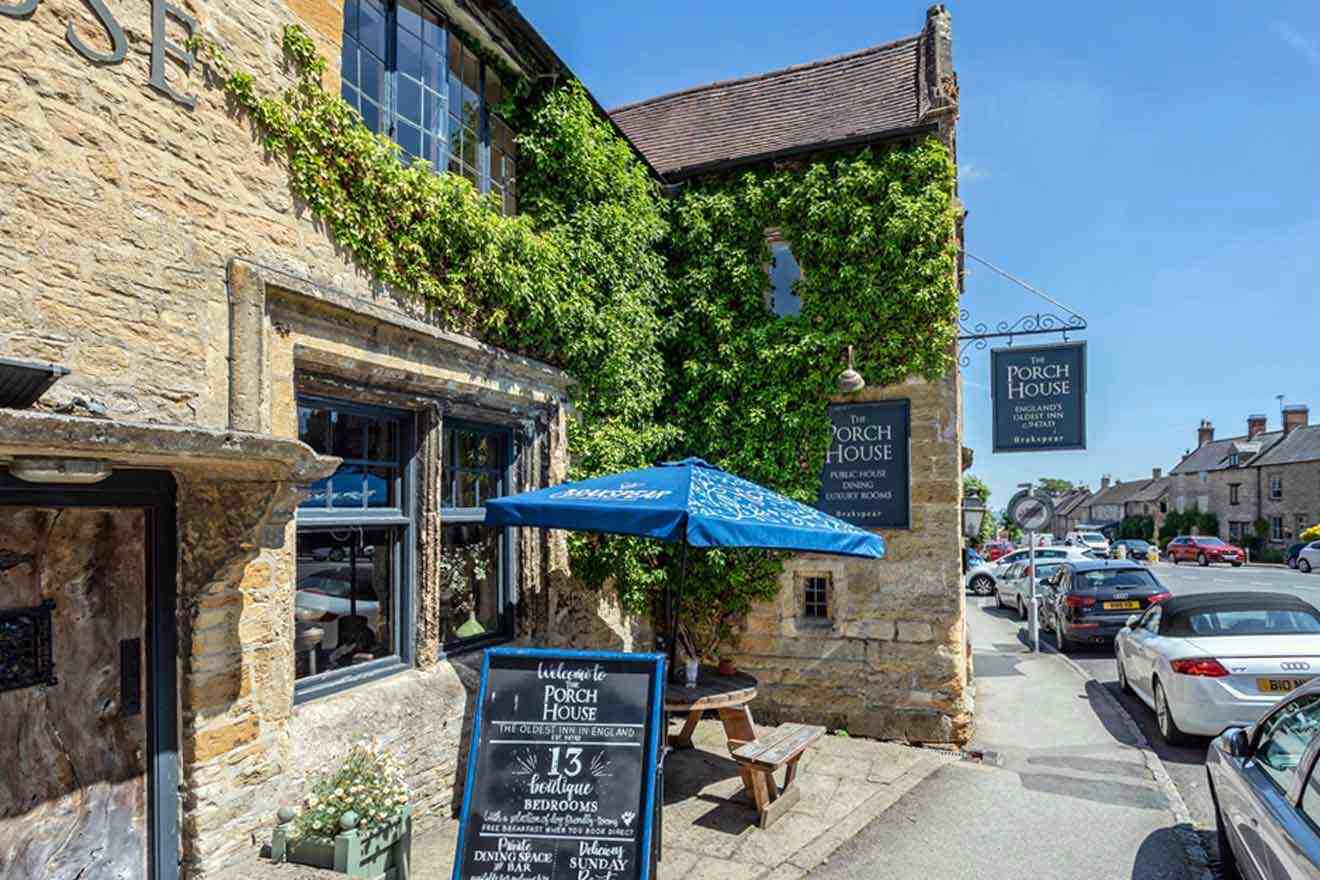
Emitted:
pixel 73 779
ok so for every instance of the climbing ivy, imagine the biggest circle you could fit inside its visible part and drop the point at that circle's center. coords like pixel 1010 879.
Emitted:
pixel 656 307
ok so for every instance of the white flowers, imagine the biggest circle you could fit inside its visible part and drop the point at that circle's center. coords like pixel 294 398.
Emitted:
pixel 369 782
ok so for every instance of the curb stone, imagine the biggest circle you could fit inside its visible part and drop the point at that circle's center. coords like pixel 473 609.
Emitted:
pixel 1197 855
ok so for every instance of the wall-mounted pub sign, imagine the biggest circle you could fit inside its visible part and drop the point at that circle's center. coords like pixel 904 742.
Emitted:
pixel 865 480
pixel 1039 397
pixel 562 772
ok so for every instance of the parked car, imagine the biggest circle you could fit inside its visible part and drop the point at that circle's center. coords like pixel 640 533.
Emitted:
pixel 979 575
pixel 1042 554
pixel 1208 661
pixel 995 549
pixel 1089 601
pixel 1014 590
pixel 1294 550
pixel 1309 559
pixel 1203 550
pixel 1135 547
pixel 1266 793
pixel 1089 540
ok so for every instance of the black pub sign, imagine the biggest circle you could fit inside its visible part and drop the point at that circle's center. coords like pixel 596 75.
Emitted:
pixel 1039 397
pixel 562 772
pixel 865 479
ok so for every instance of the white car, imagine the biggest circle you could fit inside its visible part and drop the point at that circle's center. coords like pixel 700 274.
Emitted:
pixel 980 578
pixel 1089 541
pixel 1205 662
pixel 1004 563
pixel 1014 590
pixel 1309 559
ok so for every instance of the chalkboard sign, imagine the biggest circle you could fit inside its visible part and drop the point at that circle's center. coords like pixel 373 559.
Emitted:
pixel 1039 396
pixel 865 480
pixel 561 780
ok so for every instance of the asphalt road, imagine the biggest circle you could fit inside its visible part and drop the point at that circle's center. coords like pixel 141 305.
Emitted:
pixel 1186 765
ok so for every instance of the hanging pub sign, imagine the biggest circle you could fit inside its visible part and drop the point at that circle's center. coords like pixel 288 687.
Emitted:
pixel 1039 397
pixel 865 477
pixel 562 771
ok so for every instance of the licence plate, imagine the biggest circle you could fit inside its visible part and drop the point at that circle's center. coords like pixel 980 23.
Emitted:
pixel 1122 606
pixel 1279 685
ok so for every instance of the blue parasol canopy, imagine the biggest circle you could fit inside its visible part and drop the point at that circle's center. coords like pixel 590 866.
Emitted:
pixel 688 502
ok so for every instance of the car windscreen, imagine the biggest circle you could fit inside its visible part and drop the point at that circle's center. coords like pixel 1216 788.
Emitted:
pixel 1113 579
pixel 1093 536
pixel 1210 542
pixel 1242 622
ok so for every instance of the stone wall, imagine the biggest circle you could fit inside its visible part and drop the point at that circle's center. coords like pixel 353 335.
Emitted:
pixel 1301 496
pixel 891 661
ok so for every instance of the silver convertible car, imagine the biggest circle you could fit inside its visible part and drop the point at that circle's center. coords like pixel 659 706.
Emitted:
pixel 1265 784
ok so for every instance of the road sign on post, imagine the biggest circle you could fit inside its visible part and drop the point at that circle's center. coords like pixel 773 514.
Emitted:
pixel 1032 512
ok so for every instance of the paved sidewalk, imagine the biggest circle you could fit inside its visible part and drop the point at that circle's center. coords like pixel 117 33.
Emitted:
pixel 1063 792
pixel 710 828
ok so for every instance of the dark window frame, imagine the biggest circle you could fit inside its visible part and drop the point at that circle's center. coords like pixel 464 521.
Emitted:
pixel 816 589
pixel 1234 493
pixel 443 155
pixel 400 519
pixel 508 558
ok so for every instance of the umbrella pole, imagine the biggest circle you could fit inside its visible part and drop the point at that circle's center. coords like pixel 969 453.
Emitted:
pixel 672 603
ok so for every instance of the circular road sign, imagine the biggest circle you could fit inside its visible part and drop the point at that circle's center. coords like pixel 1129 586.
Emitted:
pixel 1032 513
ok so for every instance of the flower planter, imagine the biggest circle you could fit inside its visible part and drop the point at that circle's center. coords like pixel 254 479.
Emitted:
pixel 380 854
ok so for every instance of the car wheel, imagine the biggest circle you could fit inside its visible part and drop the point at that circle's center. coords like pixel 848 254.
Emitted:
pixel 1304 566
pixel 1292 563
pixel 1173 557
pixel 1021 610
pixel 1122 673
pixel 1237 565
pixel 1228 869
pixel 982 585
pixel 1201 560
pixel 1164 718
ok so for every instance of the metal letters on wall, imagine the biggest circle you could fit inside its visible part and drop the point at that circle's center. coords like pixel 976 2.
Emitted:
pixel 866 477
pixel 25 647
pixel 1039 397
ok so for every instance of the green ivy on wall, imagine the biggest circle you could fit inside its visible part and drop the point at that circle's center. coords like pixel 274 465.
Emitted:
pixel 656 306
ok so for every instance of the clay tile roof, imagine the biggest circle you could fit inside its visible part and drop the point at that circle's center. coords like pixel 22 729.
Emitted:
pixel 849 98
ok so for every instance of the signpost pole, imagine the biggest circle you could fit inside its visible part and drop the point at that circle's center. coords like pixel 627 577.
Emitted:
pixel 1035 608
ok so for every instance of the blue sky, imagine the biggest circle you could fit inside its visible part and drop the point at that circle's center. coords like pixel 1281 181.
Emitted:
pixel 1154 166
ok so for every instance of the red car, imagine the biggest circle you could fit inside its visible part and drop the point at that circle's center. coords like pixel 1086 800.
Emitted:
pixel 995 549
pixel 1204 550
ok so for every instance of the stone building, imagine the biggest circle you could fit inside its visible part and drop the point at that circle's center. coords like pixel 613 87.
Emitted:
pixel 1069 512
pixel 1261 478
pixel 249 517
pixel 886 657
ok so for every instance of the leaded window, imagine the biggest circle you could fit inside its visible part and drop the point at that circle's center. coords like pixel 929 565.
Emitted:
pixel 414 81
pixel 476 560
pixel 816 597
pixel 352 571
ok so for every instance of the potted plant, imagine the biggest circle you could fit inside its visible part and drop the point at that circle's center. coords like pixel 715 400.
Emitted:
pixel 356 821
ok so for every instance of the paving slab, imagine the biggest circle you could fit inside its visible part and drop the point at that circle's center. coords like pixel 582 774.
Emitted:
pixel 710 825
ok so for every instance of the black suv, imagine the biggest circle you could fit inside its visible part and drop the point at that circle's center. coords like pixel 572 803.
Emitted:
pixel 1089 602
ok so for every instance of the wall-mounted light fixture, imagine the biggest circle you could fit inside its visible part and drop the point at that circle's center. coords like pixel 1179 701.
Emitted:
pixel 68 471
pixel 850 380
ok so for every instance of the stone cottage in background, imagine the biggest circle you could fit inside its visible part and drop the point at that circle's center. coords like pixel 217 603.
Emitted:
pixel 247 524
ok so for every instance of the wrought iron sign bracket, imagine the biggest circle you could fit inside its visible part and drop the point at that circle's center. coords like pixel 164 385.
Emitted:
pixel 978 335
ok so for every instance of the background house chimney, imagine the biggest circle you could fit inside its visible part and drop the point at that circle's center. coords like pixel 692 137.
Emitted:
pixel 1104 482
pixel 1295 415
pixel 1204 434
pixel 1255 425
pixel 1156 473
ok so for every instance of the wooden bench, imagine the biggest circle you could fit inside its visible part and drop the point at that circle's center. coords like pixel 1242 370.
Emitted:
pixel 759 759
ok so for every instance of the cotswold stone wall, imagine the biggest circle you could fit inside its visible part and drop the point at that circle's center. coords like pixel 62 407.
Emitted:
pixel 891 660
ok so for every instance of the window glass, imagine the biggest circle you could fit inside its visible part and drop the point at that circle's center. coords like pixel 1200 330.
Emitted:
pixel 474 604
pixel 784 273
pixel 1311 799
pixel 1284 738
pixel 1152 619
pixel 369 445
pixel 1116 579
pixel 1245 622
pixel 815 597
pixel 345 592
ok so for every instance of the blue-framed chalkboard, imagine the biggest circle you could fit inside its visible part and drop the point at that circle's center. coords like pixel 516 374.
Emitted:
pixel 563 766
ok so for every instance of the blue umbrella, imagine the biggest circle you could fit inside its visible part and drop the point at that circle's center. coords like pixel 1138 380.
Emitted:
pixel 688 502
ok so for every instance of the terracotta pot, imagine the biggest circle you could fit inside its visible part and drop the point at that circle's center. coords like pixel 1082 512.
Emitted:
pixel 726 666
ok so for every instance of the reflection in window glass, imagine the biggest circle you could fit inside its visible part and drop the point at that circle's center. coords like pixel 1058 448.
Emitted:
pixel 784 273
pixel 369 445
pixel 1284 738
pixel 470 604
pixel 346 589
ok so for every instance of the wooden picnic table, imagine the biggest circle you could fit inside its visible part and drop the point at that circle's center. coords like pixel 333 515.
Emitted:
pixel 729 695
